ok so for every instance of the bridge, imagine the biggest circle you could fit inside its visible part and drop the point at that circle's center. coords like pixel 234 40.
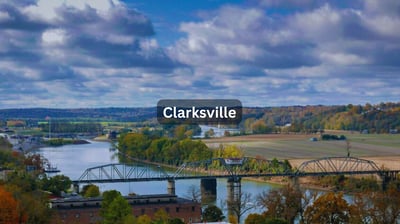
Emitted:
pixel 233 169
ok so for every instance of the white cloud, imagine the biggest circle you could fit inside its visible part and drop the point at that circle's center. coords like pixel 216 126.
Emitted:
pixel 316 52
pixel 54 37
pixel 47 9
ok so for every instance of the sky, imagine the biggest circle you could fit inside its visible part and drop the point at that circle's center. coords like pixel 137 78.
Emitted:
pixel 125 53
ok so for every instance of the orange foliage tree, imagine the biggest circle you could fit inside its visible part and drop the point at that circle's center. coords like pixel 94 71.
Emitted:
pixel 8 207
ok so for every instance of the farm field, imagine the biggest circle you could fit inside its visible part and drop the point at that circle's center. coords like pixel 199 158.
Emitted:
pixel 384 149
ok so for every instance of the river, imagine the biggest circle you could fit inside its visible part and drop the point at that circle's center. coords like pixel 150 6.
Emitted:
pixel 73 160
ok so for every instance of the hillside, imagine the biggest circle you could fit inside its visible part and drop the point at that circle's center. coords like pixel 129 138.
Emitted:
pixel 381 118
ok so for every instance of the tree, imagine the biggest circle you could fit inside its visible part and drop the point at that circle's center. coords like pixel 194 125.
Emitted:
pixel 255 218
pixel 276 221
pixel 175 221
pixel 241 205
pixel 228 151
pixel 281 203
pixel 117 211
pixel 8 207
pixel 194 193
pixel 212 214
pixel 90 191
pixel 161 217
pixel 34 207
pixel 144 219
pixel 329 208
pixel 56 184
pixel 386 206
pixel 108 197
pixel 209 134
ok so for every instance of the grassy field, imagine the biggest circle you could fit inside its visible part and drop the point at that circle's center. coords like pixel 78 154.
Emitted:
pixel 384 149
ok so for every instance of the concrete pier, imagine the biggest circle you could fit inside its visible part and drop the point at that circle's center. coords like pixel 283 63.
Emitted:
pixel 208 188
pixel 171 187
pixel 234 189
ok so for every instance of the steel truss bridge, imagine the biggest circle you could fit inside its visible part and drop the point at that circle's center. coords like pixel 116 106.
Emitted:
pixel 235 168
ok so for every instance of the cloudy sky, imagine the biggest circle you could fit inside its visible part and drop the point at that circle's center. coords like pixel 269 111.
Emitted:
pixel 114 53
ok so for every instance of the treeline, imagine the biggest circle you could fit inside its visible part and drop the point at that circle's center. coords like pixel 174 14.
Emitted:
pixel 380 118
pixel 85 114
pixel 71 127
pixel 161 149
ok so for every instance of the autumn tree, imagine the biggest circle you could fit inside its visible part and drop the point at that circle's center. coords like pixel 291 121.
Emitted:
pixel 255 218
pixel 143 219
pixel 360 208
pixel 386 206
pixel 161 217
pixel 8 207
pixel 329 208
pixel 282 203
pixel 228 151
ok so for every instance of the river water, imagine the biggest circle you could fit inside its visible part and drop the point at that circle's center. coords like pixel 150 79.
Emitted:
pixel 73 160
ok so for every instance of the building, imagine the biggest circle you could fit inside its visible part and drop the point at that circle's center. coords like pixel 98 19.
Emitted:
pixel 87 210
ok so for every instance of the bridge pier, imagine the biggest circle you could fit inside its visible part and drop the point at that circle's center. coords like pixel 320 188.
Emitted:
pixel 294 182
pixel 234 195
pixel 76 188
pixel 234 190
pixel 208 188
pixel 386 177
pixel 171 187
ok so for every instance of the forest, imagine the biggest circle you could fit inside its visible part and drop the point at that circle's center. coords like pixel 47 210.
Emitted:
pixel 380 118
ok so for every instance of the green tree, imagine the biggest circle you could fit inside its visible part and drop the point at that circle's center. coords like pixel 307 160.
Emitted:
pixel 212 214
pixel 144 219
pixel 117 211
pixel 56 184
pixel 90 191
pixel 175 221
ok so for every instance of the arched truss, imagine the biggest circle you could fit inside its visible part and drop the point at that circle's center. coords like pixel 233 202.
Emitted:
pixel 123 172
pixel 231 167
pixel 338 165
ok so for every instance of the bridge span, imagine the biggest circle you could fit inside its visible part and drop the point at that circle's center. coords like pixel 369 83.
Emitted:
pixel 233 169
